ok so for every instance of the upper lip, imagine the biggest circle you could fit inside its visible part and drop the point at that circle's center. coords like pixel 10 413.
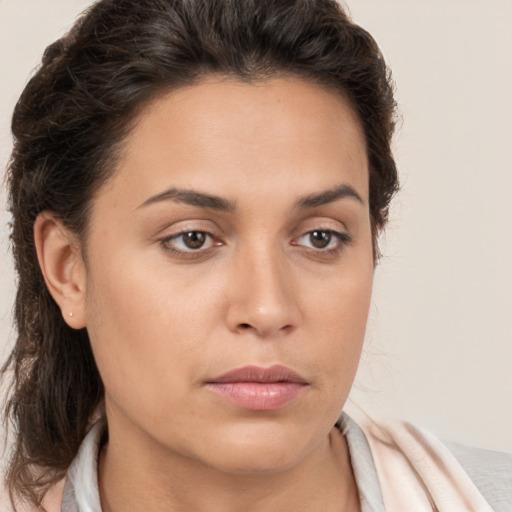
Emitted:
pixel 275 373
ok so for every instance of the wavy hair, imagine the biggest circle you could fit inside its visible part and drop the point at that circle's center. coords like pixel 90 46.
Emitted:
pixel 68 127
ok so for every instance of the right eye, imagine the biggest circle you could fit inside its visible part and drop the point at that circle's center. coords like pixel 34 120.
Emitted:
pixel 188 241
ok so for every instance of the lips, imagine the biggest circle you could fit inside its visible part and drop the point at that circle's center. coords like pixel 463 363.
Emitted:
pixel 259 389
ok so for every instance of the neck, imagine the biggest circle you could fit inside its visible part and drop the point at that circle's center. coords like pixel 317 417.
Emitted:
pixel 152 478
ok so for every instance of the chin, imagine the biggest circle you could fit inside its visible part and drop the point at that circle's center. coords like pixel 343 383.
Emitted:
pixel 258 459
pixel 259 449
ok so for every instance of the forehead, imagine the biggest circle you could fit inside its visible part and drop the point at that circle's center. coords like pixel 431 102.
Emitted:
pixel 228 136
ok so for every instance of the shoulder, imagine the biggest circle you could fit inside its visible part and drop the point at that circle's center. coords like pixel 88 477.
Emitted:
pixel 449 474
pixel 51 501
pixel 490 471
pixel 5 502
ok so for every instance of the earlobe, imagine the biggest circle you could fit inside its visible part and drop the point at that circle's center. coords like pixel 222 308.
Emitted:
pixel 62 266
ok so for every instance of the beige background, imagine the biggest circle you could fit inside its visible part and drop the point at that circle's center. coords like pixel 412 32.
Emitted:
pixel 439 348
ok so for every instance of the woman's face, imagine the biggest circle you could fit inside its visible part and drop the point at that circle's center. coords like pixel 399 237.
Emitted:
pixel 234 235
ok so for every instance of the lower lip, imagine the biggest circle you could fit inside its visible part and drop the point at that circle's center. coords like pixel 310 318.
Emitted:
pixel 256 396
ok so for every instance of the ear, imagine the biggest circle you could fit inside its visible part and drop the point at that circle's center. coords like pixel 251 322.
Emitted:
pixel 60 259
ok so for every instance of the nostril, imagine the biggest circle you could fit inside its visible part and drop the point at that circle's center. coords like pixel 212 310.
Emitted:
pixel 245 326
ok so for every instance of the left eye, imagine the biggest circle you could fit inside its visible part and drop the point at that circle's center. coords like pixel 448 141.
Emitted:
pixel 322 239
pixel 189 241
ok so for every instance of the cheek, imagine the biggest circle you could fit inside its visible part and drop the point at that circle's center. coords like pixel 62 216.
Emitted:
pixel 131 294
pixel 339 314
pixel 143 322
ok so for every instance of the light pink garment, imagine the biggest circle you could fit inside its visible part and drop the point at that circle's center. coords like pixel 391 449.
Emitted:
pixel 418 473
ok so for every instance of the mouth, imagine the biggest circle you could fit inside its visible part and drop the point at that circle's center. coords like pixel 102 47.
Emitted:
pixel 259 389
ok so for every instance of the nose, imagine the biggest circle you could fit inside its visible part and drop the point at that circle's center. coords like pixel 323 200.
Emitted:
pixel 262 298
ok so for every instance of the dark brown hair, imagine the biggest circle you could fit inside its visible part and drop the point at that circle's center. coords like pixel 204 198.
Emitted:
pixel 68 127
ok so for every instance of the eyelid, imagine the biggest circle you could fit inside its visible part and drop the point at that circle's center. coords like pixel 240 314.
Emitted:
pixel 341 236
pixel 168 238
pixel 186 224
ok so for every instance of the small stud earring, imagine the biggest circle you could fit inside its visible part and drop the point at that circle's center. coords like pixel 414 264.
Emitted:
pixel 70 314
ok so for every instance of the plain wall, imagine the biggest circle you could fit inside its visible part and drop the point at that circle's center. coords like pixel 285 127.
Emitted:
pixel 439 344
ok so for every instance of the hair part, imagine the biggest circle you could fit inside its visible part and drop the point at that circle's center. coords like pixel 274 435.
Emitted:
pixel 69 126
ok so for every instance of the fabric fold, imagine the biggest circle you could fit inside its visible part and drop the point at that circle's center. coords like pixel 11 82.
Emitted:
pixel 417 472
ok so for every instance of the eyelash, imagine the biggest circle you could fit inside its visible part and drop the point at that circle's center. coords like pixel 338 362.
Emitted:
pixel 343 239
pixel 191 253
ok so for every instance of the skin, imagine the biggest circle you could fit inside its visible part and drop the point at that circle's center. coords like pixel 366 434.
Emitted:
pixel 163 318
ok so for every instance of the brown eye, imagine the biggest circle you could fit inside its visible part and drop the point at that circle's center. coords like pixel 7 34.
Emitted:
pixel 194 239
pixel 323 240
pixel 189 241
pixel 320 239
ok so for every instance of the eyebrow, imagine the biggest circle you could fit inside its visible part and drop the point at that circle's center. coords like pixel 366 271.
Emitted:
pixel 193 198
pixel 328 196
pixel 203 200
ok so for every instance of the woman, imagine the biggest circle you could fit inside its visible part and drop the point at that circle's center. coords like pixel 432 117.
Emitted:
pixel 197 189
